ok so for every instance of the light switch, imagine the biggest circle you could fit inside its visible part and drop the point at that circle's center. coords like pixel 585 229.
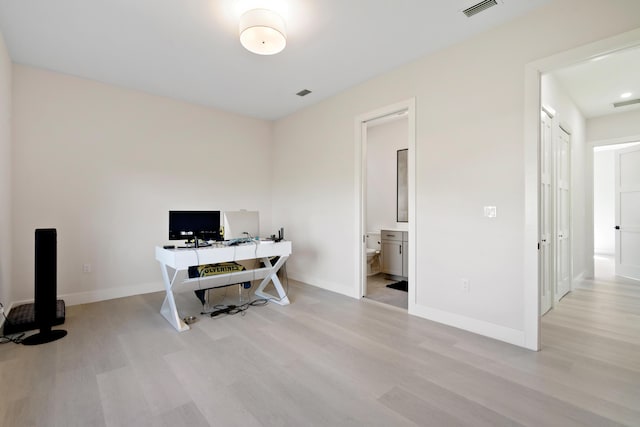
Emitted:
pixel 490 211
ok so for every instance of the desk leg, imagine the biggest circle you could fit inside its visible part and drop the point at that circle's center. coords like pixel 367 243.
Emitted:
pixel 282 298
pixel 169 309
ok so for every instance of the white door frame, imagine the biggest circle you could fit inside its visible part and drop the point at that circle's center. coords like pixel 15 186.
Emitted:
pixel 532 107
pixel 408 105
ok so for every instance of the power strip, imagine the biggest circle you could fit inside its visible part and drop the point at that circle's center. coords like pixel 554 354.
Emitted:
pixel 225 310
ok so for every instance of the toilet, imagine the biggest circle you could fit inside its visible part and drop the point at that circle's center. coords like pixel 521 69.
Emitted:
pixel 373 253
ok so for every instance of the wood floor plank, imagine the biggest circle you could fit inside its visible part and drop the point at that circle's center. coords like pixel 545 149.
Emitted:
pixel 207 383
pixel 122 397
pixel 437 406
pixel 326 360
pixel 187 415
pixel 80 402
pixel 606 395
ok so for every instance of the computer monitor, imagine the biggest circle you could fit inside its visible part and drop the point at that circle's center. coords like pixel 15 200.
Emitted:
pixel 188 225
pixel 241 224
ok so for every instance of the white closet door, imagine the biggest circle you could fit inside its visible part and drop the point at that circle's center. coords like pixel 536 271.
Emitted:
pixel 563 214
pixel 628 212
pixel 546 215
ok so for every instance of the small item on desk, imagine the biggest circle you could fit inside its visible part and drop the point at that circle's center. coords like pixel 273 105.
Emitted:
pixel 169 246
pixel 280 235
pixel 238 241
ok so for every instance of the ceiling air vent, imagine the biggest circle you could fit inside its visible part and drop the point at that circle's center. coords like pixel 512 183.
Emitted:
pixel 303 92
pixel 626 103
pixel 479 7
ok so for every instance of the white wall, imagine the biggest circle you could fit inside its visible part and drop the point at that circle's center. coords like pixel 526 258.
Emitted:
pixel 614 126
pixel 569 116
pixel 104 166
pixel 383 142
pixel 5 174
pixel 470 151
pixel 604 219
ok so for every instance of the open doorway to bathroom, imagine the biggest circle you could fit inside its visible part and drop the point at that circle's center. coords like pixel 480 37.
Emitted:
pixel 386 182
pixel 386 216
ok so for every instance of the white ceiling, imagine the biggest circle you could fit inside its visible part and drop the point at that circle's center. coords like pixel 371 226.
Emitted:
pixel 189 49
pixel 594 85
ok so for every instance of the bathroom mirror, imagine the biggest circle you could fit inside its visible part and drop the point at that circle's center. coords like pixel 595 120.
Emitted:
pixel 402 198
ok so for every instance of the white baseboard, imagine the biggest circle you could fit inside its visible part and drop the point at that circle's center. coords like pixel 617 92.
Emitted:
pixel 487 329
pixel 318 283
pixel 480 327
pixel 77 298
pixel 110 293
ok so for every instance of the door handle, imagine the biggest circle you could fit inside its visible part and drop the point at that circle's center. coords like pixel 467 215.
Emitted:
pixel 617 227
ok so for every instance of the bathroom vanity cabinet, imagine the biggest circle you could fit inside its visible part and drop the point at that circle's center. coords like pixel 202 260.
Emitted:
pixel 394 250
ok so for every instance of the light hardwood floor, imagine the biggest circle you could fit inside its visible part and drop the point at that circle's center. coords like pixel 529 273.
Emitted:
pixel 326 360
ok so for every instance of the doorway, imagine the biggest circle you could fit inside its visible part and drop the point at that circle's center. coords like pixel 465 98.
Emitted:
pixel 386 219
pixel 379 202
pixel 533 279
pixel 616 224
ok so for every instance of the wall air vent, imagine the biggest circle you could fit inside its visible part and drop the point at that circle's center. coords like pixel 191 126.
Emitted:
pixel 479 7
pixel 626 103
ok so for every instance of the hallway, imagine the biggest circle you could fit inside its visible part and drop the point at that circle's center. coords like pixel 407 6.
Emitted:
pixel 593 337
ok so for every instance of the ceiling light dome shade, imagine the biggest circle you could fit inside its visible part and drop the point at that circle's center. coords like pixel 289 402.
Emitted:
pixel 262 32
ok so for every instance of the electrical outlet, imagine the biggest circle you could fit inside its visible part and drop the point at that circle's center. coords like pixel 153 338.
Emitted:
pixel 465 286
pixel 86 268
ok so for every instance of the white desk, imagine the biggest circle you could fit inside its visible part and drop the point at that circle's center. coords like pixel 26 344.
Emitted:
pixel 179 261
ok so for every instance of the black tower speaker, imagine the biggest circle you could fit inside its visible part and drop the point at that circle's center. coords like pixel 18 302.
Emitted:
pixel 45 288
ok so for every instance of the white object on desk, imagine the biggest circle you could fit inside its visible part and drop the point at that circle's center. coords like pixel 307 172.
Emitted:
pixel 179 260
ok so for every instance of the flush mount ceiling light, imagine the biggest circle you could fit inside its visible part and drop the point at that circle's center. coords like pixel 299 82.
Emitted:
pixel 262 32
